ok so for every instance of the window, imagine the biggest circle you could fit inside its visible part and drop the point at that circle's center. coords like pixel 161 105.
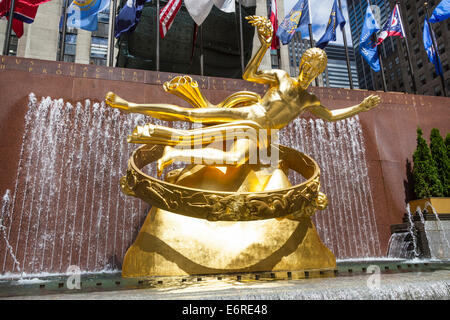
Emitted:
pixel 437 91
pixel 99 50
pixel 419 63
pixel 13 42
pixel 70 45
pixel 422 79
pixel 420 11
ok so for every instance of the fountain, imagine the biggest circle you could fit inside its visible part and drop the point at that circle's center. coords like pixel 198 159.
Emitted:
pixel 65 211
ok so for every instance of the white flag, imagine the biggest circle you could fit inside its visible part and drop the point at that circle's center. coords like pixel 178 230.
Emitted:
pixel 225 5
pixel 199 9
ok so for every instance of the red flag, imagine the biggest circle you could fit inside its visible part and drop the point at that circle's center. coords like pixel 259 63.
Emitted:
pixel 274 20
pixel 24 11
pixel 167 15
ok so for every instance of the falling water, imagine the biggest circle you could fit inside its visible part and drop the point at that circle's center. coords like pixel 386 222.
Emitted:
pixel 348 225
pixel 67 207
pixel 420 213
pixel 441 230
pixel 399 246
pixel 412 230
pixel 67 202
pixel 6 202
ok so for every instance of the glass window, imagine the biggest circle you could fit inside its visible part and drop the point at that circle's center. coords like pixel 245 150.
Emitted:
pixel 99 50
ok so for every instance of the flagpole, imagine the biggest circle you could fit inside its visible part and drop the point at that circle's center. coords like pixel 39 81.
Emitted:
pixel 112 12
pixel 383 77
pixel 434 45
pixel 311 37
pixel 201 49
pixel 380 58
pixel 157 35
pixel 344 36
pixel 408 54
pixel 63 33
pixel 241 38
pixel 8 29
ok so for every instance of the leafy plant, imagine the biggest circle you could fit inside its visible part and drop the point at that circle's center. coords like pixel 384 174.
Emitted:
pixel 447 144
pixel 442 162
pixel 425 173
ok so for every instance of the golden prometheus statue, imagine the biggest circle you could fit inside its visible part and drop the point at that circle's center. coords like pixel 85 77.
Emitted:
pixel 236 209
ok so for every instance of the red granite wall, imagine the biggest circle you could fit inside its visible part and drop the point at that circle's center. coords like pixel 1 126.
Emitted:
pixel 389 130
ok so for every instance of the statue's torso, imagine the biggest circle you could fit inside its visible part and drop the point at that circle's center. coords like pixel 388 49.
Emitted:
pixel 285 102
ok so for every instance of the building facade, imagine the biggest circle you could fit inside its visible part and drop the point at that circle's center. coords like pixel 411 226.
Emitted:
pixel 42 38
pixel 393 50
pixel 356 11
pixel 426 79
pixel 337 71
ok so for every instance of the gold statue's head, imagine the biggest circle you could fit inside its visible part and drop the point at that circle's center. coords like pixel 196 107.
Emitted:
pixel 313 63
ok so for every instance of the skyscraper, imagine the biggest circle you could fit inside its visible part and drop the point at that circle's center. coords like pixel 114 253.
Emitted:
pixel 336 74
pixel 356 12
pixel 427 81
pixel 393 50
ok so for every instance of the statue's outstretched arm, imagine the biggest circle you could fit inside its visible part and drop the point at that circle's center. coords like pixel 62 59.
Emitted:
pixel 339 114
pixel 265 31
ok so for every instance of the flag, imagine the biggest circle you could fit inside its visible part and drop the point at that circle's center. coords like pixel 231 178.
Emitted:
pixel 368 47
pixel 274 20
pixel 82 14
pixel 199 9
pixel 129 16
pixel 441 12
pixel 24 11
pixel 433 56
pixel 167 15
pixel 336 19
pixel 393 27
pixel 297 17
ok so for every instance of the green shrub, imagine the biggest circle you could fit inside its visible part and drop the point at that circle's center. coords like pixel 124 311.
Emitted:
pixel 447 144
pixel 426 178
pixel 442 162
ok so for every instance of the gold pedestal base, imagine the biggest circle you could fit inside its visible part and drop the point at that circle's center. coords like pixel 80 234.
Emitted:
pixel 174 245
pixel 170 244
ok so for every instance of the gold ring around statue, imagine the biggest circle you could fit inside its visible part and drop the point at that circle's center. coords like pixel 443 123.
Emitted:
pixel 296 201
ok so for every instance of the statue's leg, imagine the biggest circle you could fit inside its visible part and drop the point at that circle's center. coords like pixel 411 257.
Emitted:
pixel 176 113
pixel 240 152
pixel 156 134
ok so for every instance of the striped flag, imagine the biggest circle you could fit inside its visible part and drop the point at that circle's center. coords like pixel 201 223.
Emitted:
pixel 167 15
pixel 393 26
pixel 273 18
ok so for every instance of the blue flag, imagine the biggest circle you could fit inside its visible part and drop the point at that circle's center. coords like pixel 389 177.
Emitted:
pixel 441 12
pixel 83 14
pixel 336 19
pixel 367 44
pixel 297 17
pixel 433 56
pixel 129 16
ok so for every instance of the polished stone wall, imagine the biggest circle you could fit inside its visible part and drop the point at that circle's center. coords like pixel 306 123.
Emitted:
pixel 389 133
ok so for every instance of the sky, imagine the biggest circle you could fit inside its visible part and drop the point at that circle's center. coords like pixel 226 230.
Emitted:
pixel 321 10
